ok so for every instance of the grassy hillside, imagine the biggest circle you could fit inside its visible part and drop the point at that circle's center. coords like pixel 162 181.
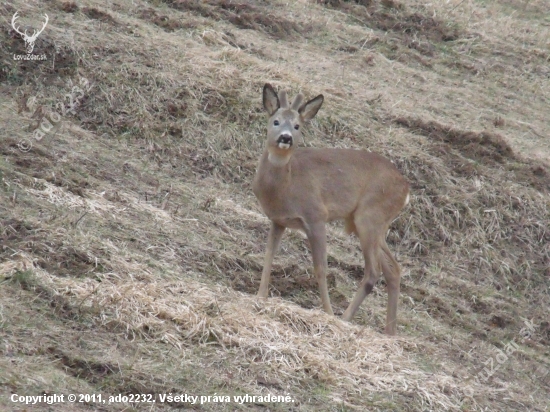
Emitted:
pixel 132 245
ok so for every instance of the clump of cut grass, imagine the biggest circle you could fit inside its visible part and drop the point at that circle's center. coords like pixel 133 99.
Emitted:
pixel 24 278
pixel 186 313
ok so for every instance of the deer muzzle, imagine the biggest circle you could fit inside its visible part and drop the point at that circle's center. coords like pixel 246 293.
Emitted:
pixel 284 141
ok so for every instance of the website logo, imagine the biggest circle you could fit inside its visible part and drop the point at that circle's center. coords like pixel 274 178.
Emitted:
pixel 29 40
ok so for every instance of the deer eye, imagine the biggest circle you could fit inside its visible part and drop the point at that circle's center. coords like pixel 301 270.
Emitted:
pixel 297 126
pixel 276 123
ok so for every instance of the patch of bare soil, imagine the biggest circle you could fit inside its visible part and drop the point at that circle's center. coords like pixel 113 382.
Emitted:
pixel 485 148
pixel 63 260
pixel 90 370
pixel 412 30
pixel 290 282
pixel 345 4
pixel 96 14
pixel 354 271
pixel 242 14
pixel 459 314
pixel 163 21
pixel 69 6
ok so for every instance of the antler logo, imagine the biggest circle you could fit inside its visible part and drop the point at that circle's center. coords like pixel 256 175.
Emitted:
pixel 29 40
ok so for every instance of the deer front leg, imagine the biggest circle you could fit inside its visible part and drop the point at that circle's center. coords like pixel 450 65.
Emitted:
pixel 273 241
pixel 392 273
pixel 316 234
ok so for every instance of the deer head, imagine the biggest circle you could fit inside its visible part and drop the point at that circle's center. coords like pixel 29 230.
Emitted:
pixel 286 120
pixel 29 40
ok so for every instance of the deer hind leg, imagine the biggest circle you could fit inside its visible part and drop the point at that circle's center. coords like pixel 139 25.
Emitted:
pixel 392 274
pixel 273 242
pixel 369 238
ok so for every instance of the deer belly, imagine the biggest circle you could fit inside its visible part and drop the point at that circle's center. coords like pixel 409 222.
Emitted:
pixel 290 222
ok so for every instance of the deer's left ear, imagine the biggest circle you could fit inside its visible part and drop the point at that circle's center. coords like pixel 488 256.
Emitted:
pixel 309 109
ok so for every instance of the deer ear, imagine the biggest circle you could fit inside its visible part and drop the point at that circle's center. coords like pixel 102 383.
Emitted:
pixel 270 99
pixel 310 109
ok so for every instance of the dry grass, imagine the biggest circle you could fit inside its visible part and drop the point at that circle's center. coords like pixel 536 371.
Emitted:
pixel 131 245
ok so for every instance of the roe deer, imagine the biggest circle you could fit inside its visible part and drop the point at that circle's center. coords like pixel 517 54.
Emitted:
pixel 303 188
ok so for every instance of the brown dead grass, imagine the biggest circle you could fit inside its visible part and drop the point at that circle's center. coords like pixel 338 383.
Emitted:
pixel 132 246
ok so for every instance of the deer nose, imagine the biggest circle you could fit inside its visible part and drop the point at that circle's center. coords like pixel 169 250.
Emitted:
pixel 284 141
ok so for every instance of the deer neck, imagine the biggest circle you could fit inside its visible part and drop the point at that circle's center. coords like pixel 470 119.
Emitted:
pixel 274 172
pixel 278 161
